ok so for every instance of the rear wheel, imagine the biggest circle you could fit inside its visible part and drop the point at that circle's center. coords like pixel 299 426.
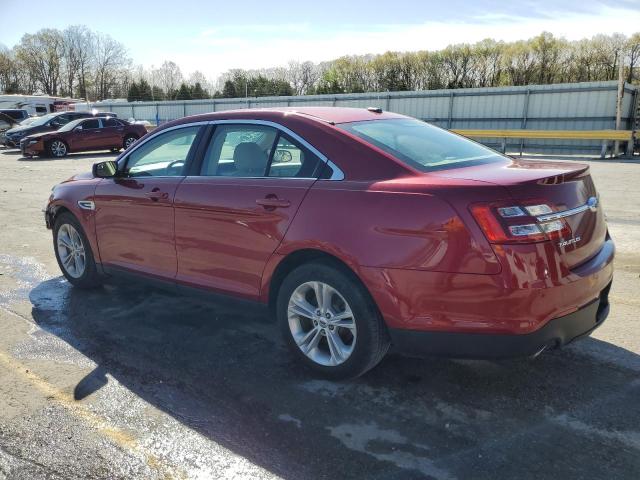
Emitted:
pixel 129 140
pixel 329 321
pixel 73 252
pixel 58 149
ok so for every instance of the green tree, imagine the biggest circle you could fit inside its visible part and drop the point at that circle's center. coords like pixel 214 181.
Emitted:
pixel 229 90
pixel 197 92
pixel 184 92
pixel 133 95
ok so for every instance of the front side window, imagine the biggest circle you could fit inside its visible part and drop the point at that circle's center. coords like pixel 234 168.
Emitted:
pixel 422 146
pixel 164 155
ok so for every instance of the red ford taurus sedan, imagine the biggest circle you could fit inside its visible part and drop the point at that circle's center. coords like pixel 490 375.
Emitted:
pixel 83 135
pixel 360 229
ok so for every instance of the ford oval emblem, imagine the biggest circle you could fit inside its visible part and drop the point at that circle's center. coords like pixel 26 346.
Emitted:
pixel 592 203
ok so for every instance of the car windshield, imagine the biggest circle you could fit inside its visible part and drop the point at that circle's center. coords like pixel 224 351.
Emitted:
pixel 28 121
pixel 71 125
pixel 420 145
pixel 42 120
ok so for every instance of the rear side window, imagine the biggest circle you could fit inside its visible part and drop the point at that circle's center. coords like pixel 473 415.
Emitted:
pixel 420 145
pixel 90 124
pixel 251 151
pixel 110 122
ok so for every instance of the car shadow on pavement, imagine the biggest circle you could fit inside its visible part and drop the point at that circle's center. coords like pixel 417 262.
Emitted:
pixel 71 156
pixel 223 371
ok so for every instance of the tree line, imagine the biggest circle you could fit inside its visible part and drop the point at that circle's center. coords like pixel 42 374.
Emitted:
pixel 77 62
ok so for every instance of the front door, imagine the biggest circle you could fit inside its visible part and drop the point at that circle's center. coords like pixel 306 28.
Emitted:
pixel 233 215
pixel 134 212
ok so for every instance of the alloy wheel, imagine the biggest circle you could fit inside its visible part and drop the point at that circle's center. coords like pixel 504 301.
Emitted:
pixel 128 142
pixel 71 251
pixel 58 148
pixel 322 323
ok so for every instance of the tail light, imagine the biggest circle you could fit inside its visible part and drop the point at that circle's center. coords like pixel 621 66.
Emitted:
pixel 518 223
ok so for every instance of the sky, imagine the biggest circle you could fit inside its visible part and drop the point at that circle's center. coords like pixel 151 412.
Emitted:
pixel 214 36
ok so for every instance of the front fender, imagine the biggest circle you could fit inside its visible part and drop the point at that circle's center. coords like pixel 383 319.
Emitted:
pixel 66 197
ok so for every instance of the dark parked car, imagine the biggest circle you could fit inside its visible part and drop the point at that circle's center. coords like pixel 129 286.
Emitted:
pixel 372 229
pixel 17 114
pixel 6 123
pixel 105 114
pixel 85 134
pixel 46 123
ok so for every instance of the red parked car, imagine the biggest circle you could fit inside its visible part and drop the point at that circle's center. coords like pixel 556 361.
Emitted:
pixel 360 229
pixel 85 134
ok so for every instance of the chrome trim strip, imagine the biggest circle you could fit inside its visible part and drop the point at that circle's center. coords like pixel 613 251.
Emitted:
pixel 592 204
pixel 336 175
pixel 86 205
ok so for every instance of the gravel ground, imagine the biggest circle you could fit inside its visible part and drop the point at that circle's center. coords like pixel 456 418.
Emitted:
pixel 128 382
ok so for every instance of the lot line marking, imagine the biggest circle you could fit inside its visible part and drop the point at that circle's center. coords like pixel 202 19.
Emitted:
pixel 121 438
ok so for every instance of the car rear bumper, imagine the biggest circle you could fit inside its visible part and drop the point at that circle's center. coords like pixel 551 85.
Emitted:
pixel 554 334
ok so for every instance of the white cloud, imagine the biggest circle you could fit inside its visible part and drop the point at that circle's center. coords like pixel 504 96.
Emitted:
pixel 216 50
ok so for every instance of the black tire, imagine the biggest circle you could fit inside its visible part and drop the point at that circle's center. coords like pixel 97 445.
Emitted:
pixel 90 277
pixel 372 337
pixel 128 141
pixel 115 150
pixel 53 151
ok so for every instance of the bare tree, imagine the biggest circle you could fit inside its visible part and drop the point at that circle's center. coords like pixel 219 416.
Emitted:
pixel 41 54
pixel 77 48
pixel 169 77
pixel 110 58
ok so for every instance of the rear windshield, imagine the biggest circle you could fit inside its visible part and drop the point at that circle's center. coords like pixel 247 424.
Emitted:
pixel 420 145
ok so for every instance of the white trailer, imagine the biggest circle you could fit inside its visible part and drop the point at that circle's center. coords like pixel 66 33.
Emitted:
pixel 38 104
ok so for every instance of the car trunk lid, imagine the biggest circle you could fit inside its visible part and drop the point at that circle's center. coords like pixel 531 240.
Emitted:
pixel 565 186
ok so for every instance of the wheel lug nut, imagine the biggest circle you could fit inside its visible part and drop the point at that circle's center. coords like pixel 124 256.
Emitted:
pixel 327 315
pixel 318 312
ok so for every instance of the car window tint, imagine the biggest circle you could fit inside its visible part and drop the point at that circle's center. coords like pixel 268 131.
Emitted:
pixel 239 151
pixel 90 124
pixel 290 160
pixel 164 155
pixel 110 122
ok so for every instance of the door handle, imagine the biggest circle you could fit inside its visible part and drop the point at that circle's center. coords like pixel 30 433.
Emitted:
pixel 155 194
pixel 273 202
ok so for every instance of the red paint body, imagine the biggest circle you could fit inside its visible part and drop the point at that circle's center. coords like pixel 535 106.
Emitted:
pixel 409 236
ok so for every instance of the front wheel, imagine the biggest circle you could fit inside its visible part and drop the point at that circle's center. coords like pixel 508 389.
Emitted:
pixel 73 253
pixel 330 322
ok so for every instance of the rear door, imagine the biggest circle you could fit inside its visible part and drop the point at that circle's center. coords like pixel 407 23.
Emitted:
pixel 134 212
pixel 112 133
pixel 232 214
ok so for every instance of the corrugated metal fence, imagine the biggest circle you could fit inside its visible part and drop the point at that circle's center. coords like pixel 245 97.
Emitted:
pixel 576 106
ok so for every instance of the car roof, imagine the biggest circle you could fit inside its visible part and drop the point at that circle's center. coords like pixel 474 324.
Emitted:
pixel 331 115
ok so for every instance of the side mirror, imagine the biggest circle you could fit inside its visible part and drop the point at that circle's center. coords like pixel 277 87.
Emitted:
pixel 106 169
